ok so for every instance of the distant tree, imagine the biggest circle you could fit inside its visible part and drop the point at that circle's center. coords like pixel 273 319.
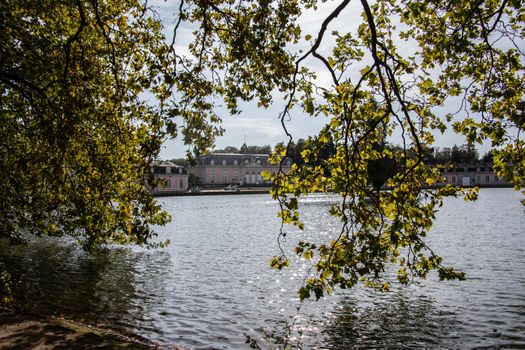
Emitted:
pixel 267 149
pixel 231 149
pixel 464 154
pixel 381 169
pixel 181 161
pixel 244 148
pixel 456 155
pixel 443 155
pixel 430 155
pixel 194 180
pixel 488 157
pixel 471 153
pixel 228 149
pixel 382 165
pixel 295 151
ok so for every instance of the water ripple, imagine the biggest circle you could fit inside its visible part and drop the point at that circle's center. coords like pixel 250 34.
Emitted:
pixel 211 287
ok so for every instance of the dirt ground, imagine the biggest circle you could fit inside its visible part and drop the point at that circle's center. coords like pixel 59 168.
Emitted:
pixel 21 330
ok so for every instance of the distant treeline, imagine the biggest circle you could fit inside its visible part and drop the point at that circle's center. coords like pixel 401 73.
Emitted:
pixel 246 149
pixel 435 155
pixel 457 154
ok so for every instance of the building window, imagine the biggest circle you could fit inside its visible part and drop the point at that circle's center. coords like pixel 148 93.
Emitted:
pixel 213 177
pixel 224 162
pixel 168 183
pixel 224 177
pixel 235 177
pixel 212 162
pixel 478 179
pixel 235 162
pixel 181 183
pixel 453 179
pixel 495 178
pixel 487 179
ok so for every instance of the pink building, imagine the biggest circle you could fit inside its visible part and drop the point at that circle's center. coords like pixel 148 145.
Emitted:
pixel 233 168
pixel 174 178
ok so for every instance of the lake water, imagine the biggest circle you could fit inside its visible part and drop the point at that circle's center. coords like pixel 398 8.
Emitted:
pixel 212 287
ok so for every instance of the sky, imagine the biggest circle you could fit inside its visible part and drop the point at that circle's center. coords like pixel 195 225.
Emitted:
pixel 261 126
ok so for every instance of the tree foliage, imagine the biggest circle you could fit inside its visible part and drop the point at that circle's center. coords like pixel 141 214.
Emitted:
pixel 75 135
pixel 228 149
pixel 87 97
pixel 267 149
pixel 394 73
pixel 466 153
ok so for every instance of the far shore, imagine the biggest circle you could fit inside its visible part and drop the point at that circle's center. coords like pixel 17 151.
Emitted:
pixel 214 192
pixel 261 190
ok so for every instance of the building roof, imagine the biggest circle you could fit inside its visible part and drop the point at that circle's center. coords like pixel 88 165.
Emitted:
pixel 238 154
pixel 233 159
pixel 164 164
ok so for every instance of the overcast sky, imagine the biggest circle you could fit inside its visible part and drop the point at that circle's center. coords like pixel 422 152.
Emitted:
pixel 262 126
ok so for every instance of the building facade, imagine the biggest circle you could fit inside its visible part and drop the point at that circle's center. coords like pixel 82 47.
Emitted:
pixel 174 178
pixel 466 175
pixel 233 168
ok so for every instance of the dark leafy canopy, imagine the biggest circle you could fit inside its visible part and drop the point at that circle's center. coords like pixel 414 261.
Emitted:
pixel 75 136
pixel 84 91
pixel 395 73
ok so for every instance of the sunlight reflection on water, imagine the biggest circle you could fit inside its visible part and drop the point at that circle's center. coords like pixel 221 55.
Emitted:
pixel 212 285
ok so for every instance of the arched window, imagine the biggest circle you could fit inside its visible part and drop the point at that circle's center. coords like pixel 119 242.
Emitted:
pixel 224 162
pixel 212 162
